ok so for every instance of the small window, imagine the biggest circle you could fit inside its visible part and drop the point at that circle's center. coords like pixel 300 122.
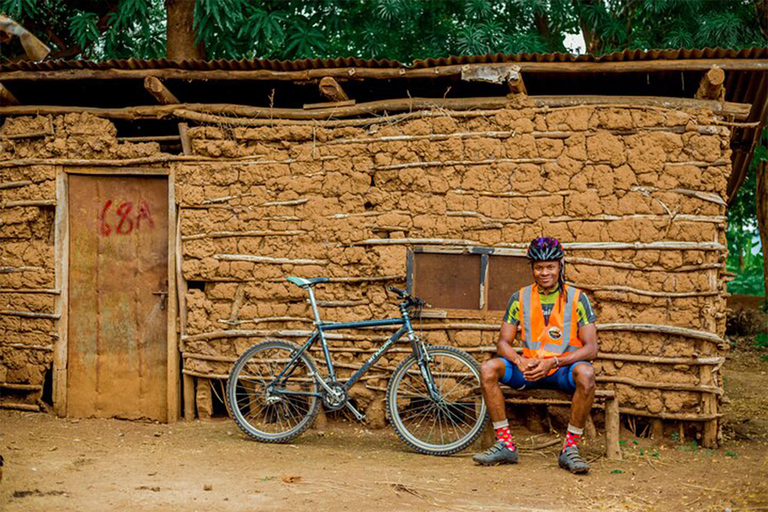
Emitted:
pixel 448 281
pixel 506 275
pixel 468 278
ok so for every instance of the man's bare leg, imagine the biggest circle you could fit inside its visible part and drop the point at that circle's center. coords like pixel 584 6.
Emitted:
pixel 584 378
pixel 491 372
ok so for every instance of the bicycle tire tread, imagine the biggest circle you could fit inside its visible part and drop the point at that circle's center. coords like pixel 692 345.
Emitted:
pixel 230 393
pixel 389 403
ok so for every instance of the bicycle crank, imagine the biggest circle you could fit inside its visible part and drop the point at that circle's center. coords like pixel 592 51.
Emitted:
pixel 335 396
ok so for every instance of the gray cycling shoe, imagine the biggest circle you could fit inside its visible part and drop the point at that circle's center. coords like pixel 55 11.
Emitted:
pixel 572 461
pixel 495 455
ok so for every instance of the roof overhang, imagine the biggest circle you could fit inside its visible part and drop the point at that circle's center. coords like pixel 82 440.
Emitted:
pixel 652 76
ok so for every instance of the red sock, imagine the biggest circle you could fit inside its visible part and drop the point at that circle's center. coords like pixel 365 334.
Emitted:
pixel 505 436
pixel 572 438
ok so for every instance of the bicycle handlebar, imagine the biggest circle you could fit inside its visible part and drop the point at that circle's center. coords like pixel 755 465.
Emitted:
pixel 412 301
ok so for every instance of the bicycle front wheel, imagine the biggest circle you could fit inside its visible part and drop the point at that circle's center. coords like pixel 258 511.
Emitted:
pixel 444 424
pixel 268 409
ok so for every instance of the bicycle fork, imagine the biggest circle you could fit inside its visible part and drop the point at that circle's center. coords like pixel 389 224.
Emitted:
pixel 423 359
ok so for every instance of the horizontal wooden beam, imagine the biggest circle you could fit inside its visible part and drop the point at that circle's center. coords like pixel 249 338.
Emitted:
pixel 737 110
pixel 20 407
pixel 20 387
pixel 388 73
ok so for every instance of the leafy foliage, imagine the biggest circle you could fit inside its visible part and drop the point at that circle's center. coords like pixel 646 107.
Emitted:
pixel 93 29
pixel 395 29
pixel 745 254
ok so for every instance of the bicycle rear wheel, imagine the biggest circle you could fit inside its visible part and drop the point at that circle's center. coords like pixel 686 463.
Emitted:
pixel 450 423
pixel 268 410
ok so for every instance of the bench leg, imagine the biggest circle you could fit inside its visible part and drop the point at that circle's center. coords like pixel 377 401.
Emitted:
pixel 612 426
pixel 590 431
pixel 657 430
pixel 189 397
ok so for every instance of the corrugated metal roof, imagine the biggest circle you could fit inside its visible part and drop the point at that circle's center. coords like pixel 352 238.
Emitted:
pixel 347 62
pixel 622 56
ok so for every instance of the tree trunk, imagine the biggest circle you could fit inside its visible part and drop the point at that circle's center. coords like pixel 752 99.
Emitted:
pixel 761 6
pixel 180 33
pixel 761 200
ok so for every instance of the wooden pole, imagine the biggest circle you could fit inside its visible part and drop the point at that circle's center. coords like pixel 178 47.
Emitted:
pixel 7 97
pixel 739 111
pixel 30 314
pixel 711 85
pixel 174 386
pixel 14 184
pixel 20 407
pixel 188 381
pixel 189 397
pixel 159 91
pixel 186 142
pixel 61 301
pixel 657 430
pixel 709 406
pixel 516 85
pixel 612 429
pixel 20 387
pixel 331 90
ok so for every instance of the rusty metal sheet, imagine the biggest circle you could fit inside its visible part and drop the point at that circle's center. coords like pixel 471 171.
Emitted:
pixel 506 275
pixel 118 270
pixel 449 281
pixel 344 62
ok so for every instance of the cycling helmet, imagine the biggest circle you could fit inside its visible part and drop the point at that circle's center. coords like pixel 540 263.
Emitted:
pixel 545 248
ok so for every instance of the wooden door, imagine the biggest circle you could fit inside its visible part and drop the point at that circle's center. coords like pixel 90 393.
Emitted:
pixel 118 284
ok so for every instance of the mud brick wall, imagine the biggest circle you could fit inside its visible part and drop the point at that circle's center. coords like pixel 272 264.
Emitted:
pixel 31 152
pixel 635 194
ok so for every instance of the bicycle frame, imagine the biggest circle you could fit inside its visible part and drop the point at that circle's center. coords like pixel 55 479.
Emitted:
pixel 319 333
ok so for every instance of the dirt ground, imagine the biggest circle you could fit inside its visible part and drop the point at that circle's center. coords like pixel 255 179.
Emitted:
pixel 63 465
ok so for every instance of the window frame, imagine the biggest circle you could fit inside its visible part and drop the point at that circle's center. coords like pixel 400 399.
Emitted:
pixel 485 254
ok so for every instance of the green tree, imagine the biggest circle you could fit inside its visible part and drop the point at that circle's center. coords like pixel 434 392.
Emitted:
pixel 394 29
pixel 746 251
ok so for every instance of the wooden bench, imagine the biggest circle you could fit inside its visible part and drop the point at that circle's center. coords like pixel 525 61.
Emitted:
pixel 606 398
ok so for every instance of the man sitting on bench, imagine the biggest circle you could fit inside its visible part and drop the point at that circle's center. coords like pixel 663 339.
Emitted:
pixel 557 326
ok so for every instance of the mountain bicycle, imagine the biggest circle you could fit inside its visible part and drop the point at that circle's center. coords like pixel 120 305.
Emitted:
pixel 433 399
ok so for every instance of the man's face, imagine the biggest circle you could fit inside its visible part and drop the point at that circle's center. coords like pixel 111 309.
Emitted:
pixel 545 273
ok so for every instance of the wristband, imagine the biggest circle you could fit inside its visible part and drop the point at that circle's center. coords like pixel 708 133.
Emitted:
pixel 557 363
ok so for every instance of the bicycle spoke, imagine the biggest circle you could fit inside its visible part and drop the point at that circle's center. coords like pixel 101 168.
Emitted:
pixel 264 407
pixel 453 419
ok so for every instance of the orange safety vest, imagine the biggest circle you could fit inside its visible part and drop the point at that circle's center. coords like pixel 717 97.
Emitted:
pixel 559 336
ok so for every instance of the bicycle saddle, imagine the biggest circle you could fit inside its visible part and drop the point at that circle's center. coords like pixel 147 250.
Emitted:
pixel 303 282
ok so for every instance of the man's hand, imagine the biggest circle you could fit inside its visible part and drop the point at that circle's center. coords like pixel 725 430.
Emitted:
pixel 522 363
pixel 538 369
